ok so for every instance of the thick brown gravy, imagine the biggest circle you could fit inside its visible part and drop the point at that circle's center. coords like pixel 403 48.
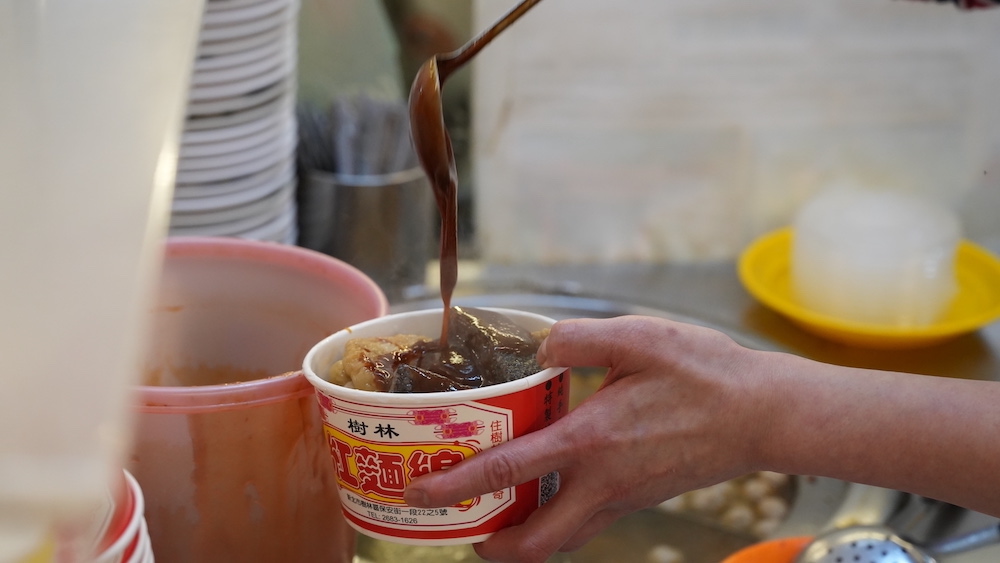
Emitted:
pixel 482 348
pixel 442 365
pixel 434 149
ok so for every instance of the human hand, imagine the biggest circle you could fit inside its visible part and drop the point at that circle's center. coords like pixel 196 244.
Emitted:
pixel 676 412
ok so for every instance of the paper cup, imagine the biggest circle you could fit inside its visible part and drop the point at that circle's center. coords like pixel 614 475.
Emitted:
pixel 125 539
pixel 381 441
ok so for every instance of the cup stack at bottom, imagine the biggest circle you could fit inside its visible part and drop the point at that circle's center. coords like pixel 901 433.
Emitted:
pixel 126 537
pixel 115 532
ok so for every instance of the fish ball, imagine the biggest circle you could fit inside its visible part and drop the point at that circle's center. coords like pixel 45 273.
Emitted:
pixel 664 554
pixel 766 527
pixel 711 499
pixel 739 516
pixel 772 507
pixel 756 488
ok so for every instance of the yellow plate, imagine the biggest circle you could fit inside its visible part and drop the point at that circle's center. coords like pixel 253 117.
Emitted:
pixel 765 271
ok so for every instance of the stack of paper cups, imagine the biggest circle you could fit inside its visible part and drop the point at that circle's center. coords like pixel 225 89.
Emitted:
pixel 115 532
pixel 126 539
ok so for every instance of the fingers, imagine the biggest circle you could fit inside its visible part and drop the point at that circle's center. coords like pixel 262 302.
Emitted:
pixel 554 526
pixel 564 523
pixel 502 466
pixel 541 535
pixel 597 342
pixel 597 524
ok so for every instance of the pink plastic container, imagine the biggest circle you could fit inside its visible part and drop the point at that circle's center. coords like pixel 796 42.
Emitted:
pixel 229 447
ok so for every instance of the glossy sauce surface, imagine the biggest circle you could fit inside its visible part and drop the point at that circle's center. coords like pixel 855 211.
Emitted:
pixel 482 348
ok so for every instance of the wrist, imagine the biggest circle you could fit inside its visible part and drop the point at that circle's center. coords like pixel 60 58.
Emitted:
pixel 772 387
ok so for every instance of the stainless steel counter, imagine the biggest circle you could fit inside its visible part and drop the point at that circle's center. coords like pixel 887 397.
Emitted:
pixel 711 294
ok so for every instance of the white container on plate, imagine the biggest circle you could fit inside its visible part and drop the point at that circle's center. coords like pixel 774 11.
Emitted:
pixel 875 257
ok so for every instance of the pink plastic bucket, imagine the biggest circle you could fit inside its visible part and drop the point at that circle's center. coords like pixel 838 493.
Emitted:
pixel 229 446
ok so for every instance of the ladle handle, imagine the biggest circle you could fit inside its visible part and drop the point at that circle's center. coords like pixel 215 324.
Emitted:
pixel 966 542
pixel 456 59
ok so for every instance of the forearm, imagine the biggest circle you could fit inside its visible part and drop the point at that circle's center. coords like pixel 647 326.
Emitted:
pixel 933 436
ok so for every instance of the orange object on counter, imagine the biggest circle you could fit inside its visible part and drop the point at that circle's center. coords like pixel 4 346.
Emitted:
pixel 783 550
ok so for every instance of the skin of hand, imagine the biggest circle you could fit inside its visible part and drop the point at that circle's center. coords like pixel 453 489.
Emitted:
pixel 685 407
pixel 608 451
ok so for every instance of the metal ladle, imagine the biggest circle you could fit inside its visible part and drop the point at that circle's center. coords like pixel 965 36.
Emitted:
pixel 878 544
pixel 431 138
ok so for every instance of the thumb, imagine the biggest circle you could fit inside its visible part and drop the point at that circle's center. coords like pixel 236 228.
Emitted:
pixel 587 342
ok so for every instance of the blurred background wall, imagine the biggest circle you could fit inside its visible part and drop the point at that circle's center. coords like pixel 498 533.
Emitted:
pixel 658 131
pixel 346 47
pixel 654 130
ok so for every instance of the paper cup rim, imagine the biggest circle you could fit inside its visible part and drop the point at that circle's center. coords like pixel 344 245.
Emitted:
pixel 422 399
pixel 116 550
pixel 142 547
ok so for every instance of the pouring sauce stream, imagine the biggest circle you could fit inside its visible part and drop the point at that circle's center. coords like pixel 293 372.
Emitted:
pixel 434 149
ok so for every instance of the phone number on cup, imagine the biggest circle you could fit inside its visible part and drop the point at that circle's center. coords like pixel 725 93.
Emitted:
pixel 391 518
pixel 413 514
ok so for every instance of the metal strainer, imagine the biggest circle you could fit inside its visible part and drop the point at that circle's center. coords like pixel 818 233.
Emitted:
pixel 878 544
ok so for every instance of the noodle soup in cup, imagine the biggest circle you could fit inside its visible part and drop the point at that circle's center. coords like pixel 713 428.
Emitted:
pixel 380 441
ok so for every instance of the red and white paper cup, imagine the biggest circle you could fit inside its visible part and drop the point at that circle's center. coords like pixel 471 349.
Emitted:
pixel 115 532
pixel 381 441
pixel 126 541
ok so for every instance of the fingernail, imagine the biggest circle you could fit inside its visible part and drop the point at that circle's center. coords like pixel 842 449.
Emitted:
pixel 541 356
pixel 416 498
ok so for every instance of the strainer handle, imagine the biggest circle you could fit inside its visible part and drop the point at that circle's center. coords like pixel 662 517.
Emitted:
pixel 966 542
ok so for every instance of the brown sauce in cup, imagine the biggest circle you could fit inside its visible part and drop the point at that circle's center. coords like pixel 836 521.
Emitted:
pixel 482 348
